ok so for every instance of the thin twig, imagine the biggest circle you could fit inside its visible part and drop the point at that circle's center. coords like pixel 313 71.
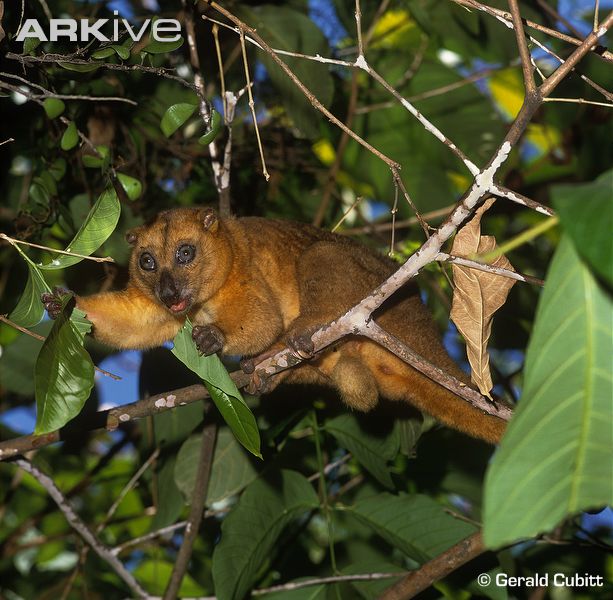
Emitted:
pixel 296 585
pixel 13 241
pixel 358 28
pixel 49 94
pixel 126 488
pixel 79 526
pixel 505 17
pixel 311 97
pixel 339 155
pixel 586 79
pixel 522 46
pixel 148 536
pixel 347 213
pixel 579 101
pixel 252 106
pixel 60 58
pixel 41 338
pixel 405 223
pixel 472 264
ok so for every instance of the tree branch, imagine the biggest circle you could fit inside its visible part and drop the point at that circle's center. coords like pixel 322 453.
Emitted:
pixel 522 46
pixel 77 524
pixel 435 569
pixel 201 485
pixel 112 418
pixel 507 19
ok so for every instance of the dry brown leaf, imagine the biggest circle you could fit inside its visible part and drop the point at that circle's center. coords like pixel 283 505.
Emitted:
pixel 477 296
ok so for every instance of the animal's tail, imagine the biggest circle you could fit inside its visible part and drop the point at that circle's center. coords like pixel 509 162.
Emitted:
pixel 398 381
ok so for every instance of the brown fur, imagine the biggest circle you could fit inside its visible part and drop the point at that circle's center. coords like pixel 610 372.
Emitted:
pixel 260 282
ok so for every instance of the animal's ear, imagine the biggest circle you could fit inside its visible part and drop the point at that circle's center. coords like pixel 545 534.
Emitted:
pixel 132 235
pixel 209 219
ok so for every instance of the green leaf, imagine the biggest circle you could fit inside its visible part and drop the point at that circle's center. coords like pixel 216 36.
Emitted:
pixel 63 377
pixel 232 470
pixel 70 138
pixel 93 162
pixel 175 116
pixel 97 227
pixel 223 390
pixel 78 67
pixel 18 361
pixel 122 51
pixel 54 107
pixel 58 169
pixel 131 185
pixel 555 458
pixel 370 450
pixel 157 47
pixel 211 134
pixel 155 574
pixel 30 310
pixel 170 500
pixel 250 532
pixel 30 44
pixel 415 524
pixel 103 53
pixel 586 214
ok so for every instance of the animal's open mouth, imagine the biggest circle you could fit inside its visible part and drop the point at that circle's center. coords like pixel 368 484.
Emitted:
pixel 180 306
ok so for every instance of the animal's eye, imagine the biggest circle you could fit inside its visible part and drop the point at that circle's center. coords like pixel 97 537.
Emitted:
pixel 147 262
pixel 185 254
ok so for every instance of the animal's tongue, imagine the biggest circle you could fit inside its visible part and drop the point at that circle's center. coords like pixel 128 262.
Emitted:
pixel 179 306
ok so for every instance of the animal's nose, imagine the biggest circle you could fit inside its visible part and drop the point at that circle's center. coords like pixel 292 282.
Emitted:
pixel 168 289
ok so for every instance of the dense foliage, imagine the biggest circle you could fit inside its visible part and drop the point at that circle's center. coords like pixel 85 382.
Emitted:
pixel 96 138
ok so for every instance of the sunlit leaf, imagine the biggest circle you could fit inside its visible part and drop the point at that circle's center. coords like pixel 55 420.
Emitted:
pixel 155 574
pixel 223 390
pixel 555 458
pixel 131 185
pixel 54 107
pixel 507 91
pixel 70 138
pixel 97 227
pixel 175 116
pixel 586 213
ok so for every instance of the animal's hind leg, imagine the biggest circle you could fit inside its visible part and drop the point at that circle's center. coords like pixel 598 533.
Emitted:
pixel 331 280
pixel 355 382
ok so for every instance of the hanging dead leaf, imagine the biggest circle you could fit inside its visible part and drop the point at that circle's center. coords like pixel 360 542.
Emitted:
pixel 477 296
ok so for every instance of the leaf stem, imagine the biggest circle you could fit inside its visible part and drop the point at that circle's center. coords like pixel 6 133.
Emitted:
pixel 517 241
pixel 323 492
pixel 14 242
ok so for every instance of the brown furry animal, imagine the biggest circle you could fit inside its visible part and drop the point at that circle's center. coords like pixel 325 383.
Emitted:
pixel 250 284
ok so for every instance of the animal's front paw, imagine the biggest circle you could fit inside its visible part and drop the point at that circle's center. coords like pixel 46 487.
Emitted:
pixel 208 339
pixel 53 301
